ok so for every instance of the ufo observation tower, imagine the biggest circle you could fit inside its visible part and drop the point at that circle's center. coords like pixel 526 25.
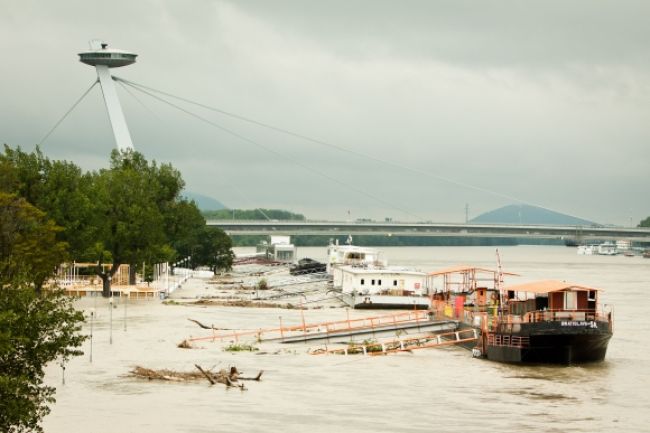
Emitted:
pixel 103 59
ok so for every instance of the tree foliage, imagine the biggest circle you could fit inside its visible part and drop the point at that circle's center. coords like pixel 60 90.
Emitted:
pixel 129 213
pixel 645 222
pixel 34 331
pixel 130 201
pixel 214 250
pixel 29 249
pixel 35 328
pixel 58 188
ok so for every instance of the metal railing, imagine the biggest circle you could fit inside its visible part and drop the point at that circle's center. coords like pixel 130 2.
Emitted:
pixel 326 328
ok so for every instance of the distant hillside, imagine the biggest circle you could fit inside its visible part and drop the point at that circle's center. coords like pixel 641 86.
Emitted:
pixel 204 202
pixel 525 214
pixel 253 214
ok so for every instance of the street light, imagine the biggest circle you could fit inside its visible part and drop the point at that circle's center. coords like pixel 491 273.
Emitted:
pixel 110 310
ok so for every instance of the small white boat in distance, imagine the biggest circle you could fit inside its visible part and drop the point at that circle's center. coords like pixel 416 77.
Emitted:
pixel 587 250
pixel 352 255
pixel 607 249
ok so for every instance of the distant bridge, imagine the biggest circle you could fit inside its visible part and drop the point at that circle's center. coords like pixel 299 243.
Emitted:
pixel 334 228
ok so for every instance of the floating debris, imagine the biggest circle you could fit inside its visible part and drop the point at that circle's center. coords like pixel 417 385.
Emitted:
pixel 185 345
pixel 227 377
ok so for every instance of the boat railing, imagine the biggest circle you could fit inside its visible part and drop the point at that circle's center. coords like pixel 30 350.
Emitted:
pixel 560 315
pixel 508 340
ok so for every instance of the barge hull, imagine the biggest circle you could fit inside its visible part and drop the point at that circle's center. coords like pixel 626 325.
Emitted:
pixel 554 349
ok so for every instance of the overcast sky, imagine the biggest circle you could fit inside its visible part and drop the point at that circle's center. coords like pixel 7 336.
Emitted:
pixel 487 102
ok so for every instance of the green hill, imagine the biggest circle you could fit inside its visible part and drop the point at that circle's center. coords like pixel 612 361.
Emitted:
pixel 203 202
pixel 525 214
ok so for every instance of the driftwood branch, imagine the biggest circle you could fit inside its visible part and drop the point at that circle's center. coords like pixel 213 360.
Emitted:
pixel 201 324
pixel 229 377
pixel 257 378
pixel 206 374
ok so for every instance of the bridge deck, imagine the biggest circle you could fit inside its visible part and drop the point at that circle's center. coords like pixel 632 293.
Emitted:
pixel 333 228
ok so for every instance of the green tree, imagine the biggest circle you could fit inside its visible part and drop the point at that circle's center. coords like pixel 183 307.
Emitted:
pixel 59 188
pixel 184 227
pixel 130 213
pixel 29 249
pixel 130 199
pixel 214 250
pixel 34 331
pixel 35 328
pixel 645 222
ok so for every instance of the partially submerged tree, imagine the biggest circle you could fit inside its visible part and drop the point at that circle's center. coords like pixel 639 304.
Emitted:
pixel 130 213
pixel 130 200
pixel 214 250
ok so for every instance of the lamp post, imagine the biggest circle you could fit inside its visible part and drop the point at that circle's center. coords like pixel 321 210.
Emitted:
pixel 110 311
pixel 92 319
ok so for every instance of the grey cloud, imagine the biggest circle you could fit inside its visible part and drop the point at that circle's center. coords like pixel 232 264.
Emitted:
pixel 544 101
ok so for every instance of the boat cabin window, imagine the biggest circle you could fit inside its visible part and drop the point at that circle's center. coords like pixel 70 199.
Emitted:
pixel 394 282
pixel 379 282
pixel 363 281
pixel 592 295
pixel 373 282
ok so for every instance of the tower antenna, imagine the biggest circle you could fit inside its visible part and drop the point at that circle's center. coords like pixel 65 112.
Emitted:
pixel 104 58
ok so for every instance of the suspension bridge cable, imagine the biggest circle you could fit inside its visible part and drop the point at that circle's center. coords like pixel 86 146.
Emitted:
pixel 345 150
pixel 134 96
pixel 68 112
pixel 274 152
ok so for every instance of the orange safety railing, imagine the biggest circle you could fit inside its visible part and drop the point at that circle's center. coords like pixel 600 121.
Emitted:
pixel 326 328
pixel 508 340
pixel 402 345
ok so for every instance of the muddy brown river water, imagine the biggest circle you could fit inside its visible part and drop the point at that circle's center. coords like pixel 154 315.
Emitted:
pixel 442 390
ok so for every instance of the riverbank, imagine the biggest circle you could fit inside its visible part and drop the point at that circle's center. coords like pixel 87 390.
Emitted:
pixel 442 389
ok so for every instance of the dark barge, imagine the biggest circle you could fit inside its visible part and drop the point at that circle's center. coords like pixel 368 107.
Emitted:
pixel 543 322
pixel 560 324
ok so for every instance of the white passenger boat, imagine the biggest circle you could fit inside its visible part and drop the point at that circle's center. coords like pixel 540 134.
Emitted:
pixel 587 250
pixel 369 287
pixel 343 255
pixel 607 249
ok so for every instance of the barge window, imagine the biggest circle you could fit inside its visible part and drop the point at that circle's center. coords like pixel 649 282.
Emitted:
pixel 379 282
pixel 570 300
pixel 373 282
pixel 592 295
pixel 394 282
pixel 363 281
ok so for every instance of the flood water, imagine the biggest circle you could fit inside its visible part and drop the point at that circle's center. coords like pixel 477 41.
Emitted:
pixel 442 390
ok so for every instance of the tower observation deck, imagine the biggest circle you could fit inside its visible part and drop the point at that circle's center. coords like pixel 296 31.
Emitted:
pixel 104 58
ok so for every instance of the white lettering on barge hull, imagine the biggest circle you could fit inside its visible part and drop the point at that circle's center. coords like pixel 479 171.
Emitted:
pixel 586 324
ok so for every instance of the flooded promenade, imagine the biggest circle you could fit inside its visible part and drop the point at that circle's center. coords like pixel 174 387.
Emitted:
pixel 444 390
